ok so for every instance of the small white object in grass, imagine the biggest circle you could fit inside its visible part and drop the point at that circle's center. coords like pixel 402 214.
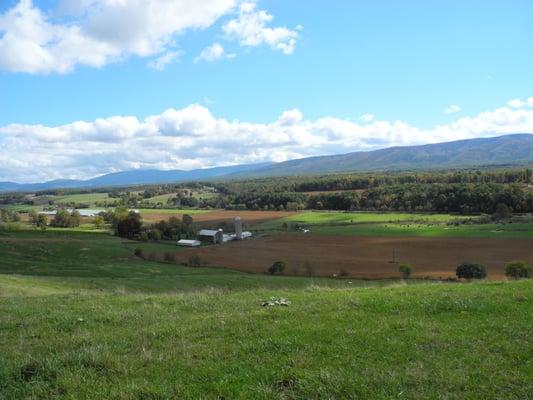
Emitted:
pixel 80 319
pixel 282 301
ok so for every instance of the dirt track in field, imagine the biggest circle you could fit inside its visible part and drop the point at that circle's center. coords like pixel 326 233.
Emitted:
pixel 364 257
pixel 249 218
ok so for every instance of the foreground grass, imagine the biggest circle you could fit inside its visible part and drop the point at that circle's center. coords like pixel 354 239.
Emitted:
pixel 452 341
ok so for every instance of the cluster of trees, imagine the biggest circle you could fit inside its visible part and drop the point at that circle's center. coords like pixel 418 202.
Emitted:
pixel 129 224
pixel 65 219
pixel 9 215
pixel 172 229
pixel 454 197
pixel 38 220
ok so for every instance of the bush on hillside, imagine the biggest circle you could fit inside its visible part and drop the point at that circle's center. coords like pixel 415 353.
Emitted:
pixel 518 269
pixel 277 268
pixel 471 271
pixel 405 270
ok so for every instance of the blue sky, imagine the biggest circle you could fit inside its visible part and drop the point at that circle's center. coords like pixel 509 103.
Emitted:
pixel 426 64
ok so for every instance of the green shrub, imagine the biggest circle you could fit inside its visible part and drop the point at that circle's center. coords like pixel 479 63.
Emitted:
pixel 518 269
pixel 170 257
pixel 405 270
pixel 471 271
pixel 139 252
pixel 277 268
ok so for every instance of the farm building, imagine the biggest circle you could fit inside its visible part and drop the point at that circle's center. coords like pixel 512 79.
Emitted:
pixel 212 235
pixel 219 237
pixel 189 243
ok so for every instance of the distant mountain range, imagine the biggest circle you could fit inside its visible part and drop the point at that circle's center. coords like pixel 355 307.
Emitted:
pixel 514 149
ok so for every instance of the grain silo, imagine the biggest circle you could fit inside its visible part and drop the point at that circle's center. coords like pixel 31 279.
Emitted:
pixel 238 228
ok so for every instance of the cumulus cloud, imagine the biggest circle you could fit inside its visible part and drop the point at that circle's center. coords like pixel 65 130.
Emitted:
pixel 212 53
pixel 516 103
pixel 193 137
pixel 250 29
pixel 97 32
pixel 367 117
pixel 160 63
pixel 452 109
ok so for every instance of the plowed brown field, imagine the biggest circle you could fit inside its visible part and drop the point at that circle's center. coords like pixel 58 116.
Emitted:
pixel 365 257
pixel 248 217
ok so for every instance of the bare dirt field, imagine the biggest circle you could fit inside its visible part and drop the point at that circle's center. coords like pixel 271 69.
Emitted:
pixel 249 218
pixel 364 257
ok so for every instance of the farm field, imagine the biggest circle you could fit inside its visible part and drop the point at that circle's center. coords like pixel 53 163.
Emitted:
pixel 365 257
pixel 85 260
pixel 82 317
pixel 217 216
pixel 396 224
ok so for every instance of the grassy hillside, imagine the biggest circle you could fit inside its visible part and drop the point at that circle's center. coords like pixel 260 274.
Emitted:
pixel 452 340
pixel 82 317
pixel 84 260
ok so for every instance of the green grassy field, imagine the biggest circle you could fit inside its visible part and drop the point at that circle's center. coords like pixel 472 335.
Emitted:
pixel 82 318
pixel 397 224
pixel 415 342
pixel 88 198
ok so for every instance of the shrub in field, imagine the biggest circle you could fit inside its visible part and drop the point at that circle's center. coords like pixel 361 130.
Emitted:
pixel 195 261
pixel 155 235
pixel 518 269
pixel 277 268
pixel 471 271
pixel 139 252
pixel 170 257
pixel 405 270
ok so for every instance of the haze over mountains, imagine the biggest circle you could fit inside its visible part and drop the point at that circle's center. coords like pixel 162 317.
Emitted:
pixel 516 149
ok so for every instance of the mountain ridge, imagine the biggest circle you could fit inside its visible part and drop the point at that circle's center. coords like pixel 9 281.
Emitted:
pixel 507 150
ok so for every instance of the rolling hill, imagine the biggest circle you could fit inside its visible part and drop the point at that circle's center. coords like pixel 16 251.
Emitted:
pixel 503 150
pixel 514 149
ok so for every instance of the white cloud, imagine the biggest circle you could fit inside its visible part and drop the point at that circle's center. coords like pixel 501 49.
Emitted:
pixel 367 117
pixel 530 101
pixel 193 138
pixel 212 53
pixel 163 61
pixel 97 32
pixel 250 29
pixel 452 109
pixel 516 103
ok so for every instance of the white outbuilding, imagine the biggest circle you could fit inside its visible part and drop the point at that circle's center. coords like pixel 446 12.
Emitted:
pixel 189 243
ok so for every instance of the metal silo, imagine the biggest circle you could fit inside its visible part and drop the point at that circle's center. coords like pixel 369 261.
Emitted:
pixel 238 228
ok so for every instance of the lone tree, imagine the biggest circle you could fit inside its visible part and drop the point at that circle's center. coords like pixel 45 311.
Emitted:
pixel 471 271
pixel 518 269
pixel 41 221
pixel 128 226
pixel 405 270
pixel 502 211
pixel 277 268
